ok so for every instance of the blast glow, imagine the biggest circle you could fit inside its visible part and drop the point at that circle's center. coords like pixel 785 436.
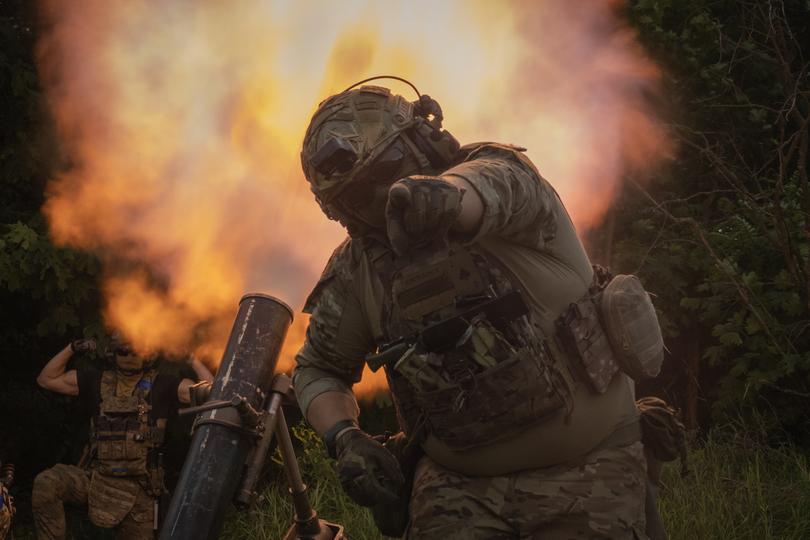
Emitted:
pixel 182 124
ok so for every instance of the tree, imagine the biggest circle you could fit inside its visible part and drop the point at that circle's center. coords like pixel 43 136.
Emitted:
pixel 722 237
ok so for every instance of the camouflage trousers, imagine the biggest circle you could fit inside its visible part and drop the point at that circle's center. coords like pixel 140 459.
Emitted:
pixel 70 484
pixel 601 497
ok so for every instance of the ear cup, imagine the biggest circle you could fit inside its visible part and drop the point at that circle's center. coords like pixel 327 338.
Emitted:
pixel 441 150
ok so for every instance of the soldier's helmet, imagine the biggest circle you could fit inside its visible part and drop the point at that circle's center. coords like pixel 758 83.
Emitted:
pixel 368 134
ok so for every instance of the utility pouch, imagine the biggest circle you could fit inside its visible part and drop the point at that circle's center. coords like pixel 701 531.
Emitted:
pixel 580 333
pixel 110 499
pixel 632 327
pixel 120 452
pixel 663 434
pixel 495 403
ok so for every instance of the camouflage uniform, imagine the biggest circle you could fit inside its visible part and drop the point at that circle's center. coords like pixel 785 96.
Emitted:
pixel 70 484
pixel 119 488
pixel 550 466
pixel 596 499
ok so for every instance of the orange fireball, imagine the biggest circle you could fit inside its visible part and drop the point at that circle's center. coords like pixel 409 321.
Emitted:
pixel 182 124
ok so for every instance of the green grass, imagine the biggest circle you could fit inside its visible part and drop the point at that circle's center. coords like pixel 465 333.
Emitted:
pixel 738 488
pixel 273 514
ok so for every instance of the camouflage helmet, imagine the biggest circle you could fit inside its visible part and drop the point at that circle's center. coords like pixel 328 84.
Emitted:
pixel 364 133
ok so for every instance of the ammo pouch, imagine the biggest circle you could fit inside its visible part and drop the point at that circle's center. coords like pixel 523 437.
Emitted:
pixel 493 404
pixel 487 383
pixel 612 327
pixel 119 450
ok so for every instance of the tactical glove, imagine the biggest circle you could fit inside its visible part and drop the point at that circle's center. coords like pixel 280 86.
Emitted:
pixel 83 345
pixel 368 472
pixel 420 209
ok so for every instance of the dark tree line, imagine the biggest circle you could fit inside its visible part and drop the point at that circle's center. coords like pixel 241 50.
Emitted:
pixel 721 237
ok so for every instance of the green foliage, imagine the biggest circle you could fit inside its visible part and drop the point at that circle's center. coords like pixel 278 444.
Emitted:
pixel 48 294
pixel 721 237
pixel 59 277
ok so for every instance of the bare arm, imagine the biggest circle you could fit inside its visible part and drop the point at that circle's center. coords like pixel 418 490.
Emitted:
pixel 53 376
pixel 329 408
pixel 183 393
pixel 203 373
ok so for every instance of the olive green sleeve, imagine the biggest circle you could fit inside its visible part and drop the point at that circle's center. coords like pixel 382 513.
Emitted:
pixel 519 205
pixel 337 340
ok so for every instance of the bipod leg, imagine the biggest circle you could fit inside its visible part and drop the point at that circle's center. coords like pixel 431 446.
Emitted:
pixel 306 524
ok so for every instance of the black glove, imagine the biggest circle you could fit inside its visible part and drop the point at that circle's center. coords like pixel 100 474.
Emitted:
pixel 83 345
pixel 392 518
pixel 368 472
pixel 420 209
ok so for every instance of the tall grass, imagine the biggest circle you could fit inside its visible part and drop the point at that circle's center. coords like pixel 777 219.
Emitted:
pixel 273 514
pixel 738 488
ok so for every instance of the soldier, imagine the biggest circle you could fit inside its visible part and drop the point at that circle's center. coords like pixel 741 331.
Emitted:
pixel 460 270
pixel 121 479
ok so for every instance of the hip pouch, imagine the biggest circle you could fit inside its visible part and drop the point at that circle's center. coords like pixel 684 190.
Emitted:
pixel 632 327
pixel 663 434
pixel 612 327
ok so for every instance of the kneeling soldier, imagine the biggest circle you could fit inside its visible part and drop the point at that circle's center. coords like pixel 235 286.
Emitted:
pixel 122 477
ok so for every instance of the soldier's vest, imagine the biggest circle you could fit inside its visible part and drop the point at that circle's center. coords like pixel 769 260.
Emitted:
pixel 492 378
pixel 124 436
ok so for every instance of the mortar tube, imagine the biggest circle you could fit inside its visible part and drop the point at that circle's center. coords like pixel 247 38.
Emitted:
pixel 220 445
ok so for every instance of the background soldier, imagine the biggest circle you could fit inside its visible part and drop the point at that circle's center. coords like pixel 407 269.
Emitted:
pixel 460 269
pixel 122 477
pixel 6 501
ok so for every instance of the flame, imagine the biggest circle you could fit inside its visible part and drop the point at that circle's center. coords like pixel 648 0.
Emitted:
pixel 182 123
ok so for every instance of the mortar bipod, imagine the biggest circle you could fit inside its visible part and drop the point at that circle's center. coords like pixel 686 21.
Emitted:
pixel 306 524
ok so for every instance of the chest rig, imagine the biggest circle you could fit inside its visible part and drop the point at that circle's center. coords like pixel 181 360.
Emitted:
pixel 475 369
pixel 125 437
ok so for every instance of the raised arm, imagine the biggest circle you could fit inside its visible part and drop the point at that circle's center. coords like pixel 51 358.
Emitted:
pixel 203 374
pixel 504 196
pixel 496 192
pixel 54 376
